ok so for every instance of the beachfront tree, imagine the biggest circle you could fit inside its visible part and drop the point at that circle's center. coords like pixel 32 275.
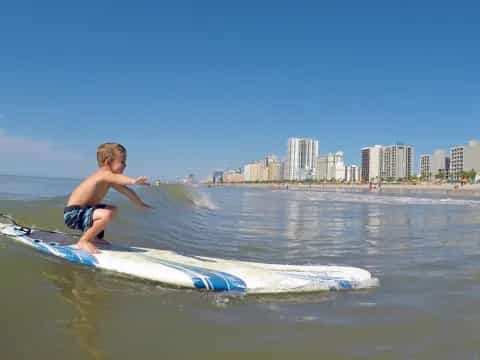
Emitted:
pixel 470 175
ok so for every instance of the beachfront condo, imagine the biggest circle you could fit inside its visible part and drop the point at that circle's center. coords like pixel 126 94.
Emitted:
pixel 302 154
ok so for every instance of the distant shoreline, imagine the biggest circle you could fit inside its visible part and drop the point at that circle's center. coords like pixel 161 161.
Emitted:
pixel 446 189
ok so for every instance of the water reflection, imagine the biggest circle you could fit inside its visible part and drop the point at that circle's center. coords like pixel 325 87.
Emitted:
pixel 88 301
pixel 294 213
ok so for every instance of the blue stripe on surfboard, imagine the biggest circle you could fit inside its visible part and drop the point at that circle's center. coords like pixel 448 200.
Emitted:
pixel 66 252
pixel 52 248
pixel 201 278
pixel 208 279
pixel 339 281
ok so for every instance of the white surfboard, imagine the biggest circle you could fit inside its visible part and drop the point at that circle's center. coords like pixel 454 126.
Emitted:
pixel 212 274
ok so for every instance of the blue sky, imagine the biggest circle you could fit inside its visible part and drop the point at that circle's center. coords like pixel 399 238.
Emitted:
pixel 199 86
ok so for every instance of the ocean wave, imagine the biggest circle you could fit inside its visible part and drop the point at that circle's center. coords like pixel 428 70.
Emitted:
pixel 184 194
pixel 387 199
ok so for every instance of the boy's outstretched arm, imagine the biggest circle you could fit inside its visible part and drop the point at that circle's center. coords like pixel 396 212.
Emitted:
pixel 120 179
pixel 132 195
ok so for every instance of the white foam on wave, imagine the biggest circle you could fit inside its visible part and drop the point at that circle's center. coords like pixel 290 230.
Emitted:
pixel 384 199
pixel 202 200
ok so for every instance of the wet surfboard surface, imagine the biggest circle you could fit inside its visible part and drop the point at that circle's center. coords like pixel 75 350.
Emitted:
pixel 212 274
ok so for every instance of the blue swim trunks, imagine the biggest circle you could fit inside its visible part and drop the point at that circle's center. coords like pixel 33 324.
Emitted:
pixel 81 217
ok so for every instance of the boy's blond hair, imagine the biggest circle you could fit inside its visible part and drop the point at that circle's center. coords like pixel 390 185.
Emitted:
pixel 107 151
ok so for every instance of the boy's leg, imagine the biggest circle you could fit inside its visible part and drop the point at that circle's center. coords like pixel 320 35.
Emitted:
pixel 100 220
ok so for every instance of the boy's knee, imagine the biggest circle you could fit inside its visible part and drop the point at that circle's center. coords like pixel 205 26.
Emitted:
pixel 108 214
pixel 111 213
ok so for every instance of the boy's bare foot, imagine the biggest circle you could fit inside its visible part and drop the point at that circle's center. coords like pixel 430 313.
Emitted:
pixel 88 247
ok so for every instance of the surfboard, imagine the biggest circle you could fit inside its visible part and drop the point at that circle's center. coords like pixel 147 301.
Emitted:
pixel 197 272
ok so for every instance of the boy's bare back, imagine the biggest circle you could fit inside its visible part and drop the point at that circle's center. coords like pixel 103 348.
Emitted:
pixel 91 190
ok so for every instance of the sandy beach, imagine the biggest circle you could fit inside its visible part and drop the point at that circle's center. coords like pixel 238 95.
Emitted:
pixel 427 188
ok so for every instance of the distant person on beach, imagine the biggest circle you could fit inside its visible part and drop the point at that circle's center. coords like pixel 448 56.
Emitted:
pixel 84 210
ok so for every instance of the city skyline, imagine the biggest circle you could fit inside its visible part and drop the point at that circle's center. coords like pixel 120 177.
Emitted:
pixel 303 160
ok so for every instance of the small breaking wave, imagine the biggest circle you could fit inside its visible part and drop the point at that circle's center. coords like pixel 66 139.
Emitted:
pixel 184 194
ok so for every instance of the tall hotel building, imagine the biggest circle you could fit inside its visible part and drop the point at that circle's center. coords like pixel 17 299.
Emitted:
pixel 397 161
pixel 321 170
pixel 371 163
pixel 426 167
pixel 456 162
pixel 464 158
pixel 301 159
pixel 330 167
pixel 352 173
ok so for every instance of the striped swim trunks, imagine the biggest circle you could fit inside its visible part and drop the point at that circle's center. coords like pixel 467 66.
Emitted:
pixel 78 217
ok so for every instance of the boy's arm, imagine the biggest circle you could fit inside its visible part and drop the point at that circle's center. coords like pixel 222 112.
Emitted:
pixel 132 195
pixel 120 179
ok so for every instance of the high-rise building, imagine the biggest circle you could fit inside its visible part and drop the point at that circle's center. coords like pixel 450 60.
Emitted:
pixel 371 163
pixel 352 173
pixel 397 161
pixel 426 167
pixel 365 164
pixel 456 162
pixel 440 164
pixel 321 169
pixel 274 170
pixel 302 157
pixel 339 166
pixel 330 167
pixel 464 158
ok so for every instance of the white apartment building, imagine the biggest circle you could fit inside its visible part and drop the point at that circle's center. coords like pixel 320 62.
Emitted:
pixel 397 161
pixel 352 173
pixel 456 162
pixel 330 167
pixel 302 154
pixel 321 170
pixel 425 170
pixel 371 163
pixel 331 170
pixel 339 166
pixel 464 158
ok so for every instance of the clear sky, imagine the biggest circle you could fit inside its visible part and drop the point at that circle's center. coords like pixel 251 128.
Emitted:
pixel 205 85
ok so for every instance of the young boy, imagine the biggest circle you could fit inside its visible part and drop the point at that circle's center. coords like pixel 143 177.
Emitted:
pixel 84 210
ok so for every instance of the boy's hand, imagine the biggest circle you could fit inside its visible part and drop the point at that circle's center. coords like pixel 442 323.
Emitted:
pixel 142 180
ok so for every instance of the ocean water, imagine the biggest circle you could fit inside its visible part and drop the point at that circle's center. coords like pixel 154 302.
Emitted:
pixel 425 249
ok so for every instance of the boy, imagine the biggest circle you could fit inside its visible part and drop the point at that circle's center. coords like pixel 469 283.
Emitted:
pixel 84 210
